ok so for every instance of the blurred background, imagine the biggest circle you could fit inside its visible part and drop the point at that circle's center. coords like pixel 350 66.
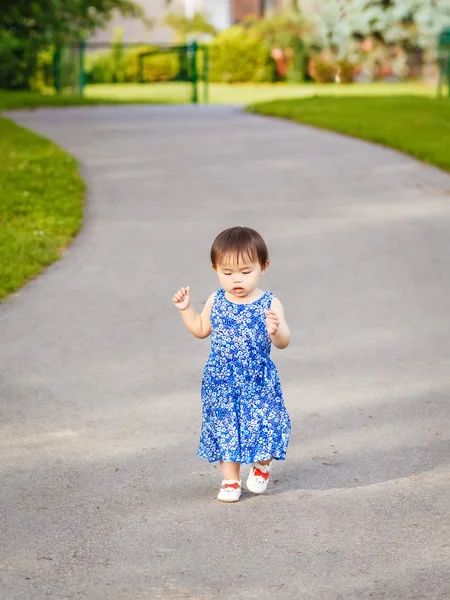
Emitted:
pixel 255 49
pixel 367 68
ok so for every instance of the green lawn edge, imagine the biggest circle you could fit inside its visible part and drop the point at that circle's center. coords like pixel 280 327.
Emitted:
pixel 41 190
pixel 41 204
pixel 417 126
pixel 29 101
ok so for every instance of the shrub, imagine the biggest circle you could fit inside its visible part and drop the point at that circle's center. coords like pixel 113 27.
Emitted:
pixel 237 55
pixel 345 71
pixel 108 67
pixel 105 68
pixel 43 76
pixel 99 68
pixel 322 70
pixel 160 67
pixel 18 61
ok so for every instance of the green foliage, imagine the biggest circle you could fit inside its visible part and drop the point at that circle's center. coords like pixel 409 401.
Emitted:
pixel 53 20
pixel 185 27
pixel 99 68
pixel 103 67
pixel 389 121
pixel 323 70
pixel 345 71
pixel 281 29
pixel 109 66
pixel 238 55
pixel 160 67
pixel 409 23
pixel 18 61
pixel 41 198
pixel 298 69
pixel 43 75
pixel 28 28
pixel 289 31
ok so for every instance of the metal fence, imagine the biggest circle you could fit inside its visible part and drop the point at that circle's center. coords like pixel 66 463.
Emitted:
pixel 79 64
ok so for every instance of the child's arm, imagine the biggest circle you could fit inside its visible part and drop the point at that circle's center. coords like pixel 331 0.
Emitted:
pixel 276 325
pixel 198 325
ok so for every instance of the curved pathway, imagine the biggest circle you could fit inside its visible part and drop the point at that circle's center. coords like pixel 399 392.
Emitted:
pixel 102 495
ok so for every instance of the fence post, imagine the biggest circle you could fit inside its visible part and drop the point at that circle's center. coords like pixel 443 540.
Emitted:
pixel 57 69
pixel 194 73
pixel 81 75
pixel 183 59
pixel 140 69
pixel 444 61
pixel 206 73
pixel 448 75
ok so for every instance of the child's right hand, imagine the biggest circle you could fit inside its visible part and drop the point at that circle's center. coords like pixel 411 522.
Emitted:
pixel 182 298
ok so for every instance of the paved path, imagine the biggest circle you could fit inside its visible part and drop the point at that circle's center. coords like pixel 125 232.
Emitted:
pixel 102 495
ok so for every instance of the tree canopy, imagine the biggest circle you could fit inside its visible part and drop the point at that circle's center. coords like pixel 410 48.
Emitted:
pixel 413 22
pixel 50 19
pixel 28 27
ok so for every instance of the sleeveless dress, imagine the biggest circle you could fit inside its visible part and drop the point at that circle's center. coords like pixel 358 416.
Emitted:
pixel 243 414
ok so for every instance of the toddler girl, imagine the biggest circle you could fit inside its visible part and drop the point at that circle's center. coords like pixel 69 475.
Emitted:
pixel 244 420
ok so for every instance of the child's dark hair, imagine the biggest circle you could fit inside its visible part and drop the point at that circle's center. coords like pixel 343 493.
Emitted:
pixel 241 242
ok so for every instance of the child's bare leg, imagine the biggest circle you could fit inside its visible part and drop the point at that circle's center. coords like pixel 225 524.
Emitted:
pixel 231 470
pixel 265 462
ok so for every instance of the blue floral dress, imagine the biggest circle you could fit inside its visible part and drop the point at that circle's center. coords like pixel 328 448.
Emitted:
pixel 243 414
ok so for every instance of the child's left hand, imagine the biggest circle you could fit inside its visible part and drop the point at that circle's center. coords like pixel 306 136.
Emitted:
pixel 272 322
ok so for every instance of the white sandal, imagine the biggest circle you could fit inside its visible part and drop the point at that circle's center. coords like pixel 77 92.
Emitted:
pixel 230 490
pixel 259 478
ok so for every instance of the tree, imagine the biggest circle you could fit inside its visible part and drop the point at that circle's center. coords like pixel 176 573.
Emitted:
pixel 418 22
pixel 341 21
pixel 287 34
pixel 185 27
pixel 282 29
pixel 412 22
pixel 29 27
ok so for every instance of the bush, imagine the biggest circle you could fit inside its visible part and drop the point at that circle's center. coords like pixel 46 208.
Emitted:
pixel 345 71
pixel 322 70
pixel 18 61
pixel 44 74
pixel 237 55
pixel 160 67
pixel 105 68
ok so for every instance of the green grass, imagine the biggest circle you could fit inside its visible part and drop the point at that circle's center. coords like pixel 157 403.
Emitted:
pixel 220 93
pixel 19 100
pixel 414 125
pixel 41 200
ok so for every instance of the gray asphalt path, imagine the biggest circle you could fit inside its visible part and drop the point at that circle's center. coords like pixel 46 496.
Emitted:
pixel 102 495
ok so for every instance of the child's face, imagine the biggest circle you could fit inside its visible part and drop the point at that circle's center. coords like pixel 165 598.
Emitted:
pixel 239 278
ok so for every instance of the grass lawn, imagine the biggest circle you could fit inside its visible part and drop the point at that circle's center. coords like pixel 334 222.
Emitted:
pixel 18 100
pixel 221 93
pixel 415 125
pixel 41 200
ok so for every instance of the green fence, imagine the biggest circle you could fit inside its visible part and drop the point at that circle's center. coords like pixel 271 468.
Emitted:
pixel 75 65
pixel 68 69
pixel 193 65
pixel 444 61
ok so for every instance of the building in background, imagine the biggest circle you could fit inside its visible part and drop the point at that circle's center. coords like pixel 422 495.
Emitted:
pixel 221 13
